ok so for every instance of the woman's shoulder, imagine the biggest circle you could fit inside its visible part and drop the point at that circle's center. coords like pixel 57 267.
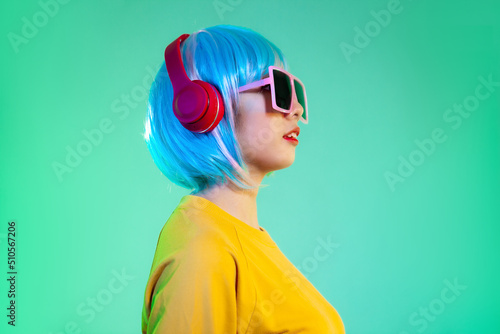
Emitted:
pixel 189 231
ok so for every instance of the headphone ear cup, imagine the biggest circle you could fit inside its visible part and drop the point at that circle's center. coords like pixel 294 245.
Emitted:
pixel 196 104
pixel 211 114
pixel 216 109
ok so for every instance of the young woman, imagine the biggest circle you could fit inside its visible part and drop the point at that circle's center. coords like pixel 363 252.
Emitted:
pixel 224 113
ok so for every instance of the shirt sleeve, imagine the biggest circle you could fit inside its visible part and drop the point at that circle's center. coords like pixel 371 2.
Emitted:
pixel 196 291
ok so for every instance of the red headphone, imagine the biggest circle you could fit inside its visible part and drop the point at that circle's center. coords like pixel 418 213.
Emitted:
pixel 197 104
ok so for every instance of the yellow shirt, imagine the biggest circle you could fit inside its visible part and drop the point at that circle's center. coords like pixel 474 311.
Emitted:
pixel 213 273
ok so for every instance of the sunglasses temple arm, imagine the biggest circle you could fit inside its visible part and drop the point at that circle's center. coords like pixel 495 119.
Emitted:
pixel 255 84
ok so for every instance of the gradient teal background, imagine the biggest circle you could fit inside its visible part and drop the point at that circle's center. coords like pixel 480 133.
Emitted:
pixel 396 246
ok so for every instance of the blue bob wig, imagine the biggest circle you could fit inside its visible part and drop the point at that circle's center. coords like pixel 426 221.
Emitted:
pixel 227 57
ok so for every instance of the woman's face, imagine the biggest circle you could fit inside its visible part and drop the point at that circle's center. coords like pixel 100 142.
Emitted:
pixel 260 130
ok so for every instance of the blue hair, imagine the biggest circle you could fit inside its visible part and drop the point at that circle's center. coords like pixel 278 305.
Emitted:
pixel 227 57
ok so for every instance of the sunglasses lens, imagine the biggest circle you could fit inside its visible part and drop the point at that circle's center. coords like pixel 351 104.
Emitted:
pixel 299 90
pixel 283 92
pixel 282 89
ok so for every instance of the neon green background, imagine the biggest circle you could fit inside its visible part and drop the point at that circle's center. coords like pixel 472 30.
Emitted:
pixel 397 245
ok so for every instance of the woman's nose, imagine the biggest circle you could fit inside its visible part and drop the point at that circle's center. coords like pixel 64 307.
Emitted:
pixel 296 108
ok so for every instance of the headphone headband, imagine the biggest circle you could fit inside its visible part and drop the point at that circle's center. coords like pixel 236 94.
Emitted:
pixel 174 63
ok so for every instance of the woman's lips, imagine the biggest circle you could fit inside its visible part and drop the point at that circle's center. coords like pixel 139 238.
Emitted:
pixel 292 140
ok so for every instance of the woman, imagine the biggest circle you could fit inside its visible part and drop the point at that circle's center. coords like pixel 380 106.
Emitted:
pixel 215 270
